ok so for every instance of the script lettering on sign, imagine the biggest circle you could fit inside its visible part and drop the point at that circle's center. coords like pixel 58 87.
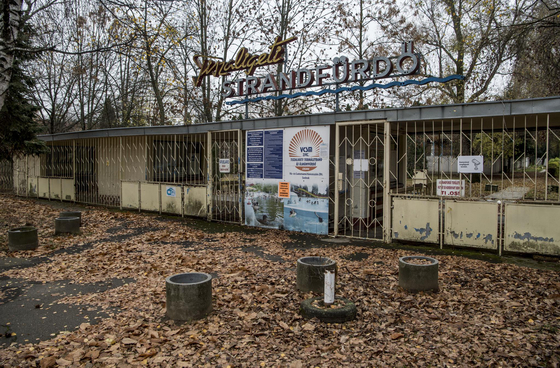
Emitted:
pixel 243 61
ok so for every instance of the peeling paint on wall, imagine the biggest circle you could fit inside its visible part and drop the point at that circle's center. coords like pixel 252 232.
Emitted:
pixel 488 238
pixel 528 237
pixel 413 219
pixel 427 231
pixel 457 235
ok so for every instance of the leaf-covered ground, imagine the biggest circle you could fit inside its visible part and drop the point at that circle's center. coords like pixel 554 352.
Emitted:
pixel 486 314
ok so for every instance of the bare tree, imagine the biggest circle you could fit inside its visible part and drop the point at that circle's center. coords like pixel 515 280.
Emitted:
pixel 473 39
pixel 536 71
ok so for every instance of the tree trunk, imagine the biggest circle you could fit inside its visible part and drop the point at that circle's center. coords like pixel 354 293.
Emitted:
pixel 10 18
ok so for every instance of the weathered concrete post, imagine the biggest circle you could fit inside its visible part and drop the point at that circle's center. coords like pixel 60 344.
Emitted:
pixel 189 296
pixel 65 214
pixel 23 238
pixel 311 273
pixel 67 225
pixel 418 273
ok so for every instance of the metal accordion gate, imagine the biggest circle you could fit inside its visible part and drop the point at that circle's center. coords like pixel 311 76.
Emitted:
pixel 226 177
pixel 362 179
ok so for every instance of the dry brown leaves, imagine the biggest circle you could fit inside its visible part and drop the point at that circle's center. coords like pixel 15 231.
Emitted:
pixel 485 314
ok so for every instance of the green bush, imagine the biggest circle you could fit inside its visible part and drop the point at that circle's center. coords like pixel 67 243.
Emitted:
pixel 554 167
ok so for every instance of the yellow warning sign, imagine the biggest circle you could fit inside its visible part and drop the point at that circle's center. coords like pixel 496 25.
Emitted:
pixel 284 189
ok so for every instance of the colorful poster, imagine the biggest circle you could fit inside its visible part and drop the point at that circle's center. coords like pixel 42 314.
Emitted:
pixel 299 159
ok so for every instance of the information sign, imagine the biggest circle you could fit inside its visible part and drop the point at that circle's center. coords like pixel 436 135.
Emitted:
pixel 450 188
pixel 470 164
pixel 284 189
pixel 224 166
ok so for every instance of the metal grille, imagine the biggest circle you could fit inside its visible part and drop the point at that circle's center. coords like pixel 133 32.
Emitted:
pixel 521 157
pixel 179 159
pixel 226 183
pixel 87 163
pixel 6 175
pixel 134 158
pixel 59 163
pixel 360 183
pixel 98 163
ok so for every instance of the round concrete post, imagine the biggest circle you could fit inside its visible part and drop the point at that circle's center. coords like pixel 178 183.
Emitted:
pixel 189 296
pixel 65 214
pixel 23 238
pixel 418 273
pixel 67 225
pixel 311 273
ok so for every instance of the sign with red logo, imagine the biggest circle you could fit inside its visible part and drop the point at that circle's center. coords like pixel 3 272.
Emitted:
pixel 305 149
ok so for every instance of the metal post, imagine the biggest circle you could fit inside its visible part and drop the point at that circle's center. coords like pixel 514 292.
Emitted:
pixel 546 158
pixel 336 175
pixel 387 183
pixel 27 175
pixel 74 166
pixel 209 179
pixel 240 173
pixel 120 169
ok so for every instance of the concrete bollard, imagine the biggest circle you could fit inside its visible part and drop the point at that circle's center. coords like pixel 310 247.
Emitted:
pixel 65 214
pixel 311 273
pixel 419 276
pixel 188 296
pixel 67 225
pixel 23 238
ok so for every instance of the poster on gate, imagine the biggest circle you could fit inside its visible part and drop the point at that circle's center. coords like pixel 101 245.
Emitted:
pixel 287 173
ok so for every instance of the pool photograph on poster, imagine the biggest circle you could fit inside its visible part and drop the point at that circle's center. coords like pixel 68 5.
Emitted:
pixel 299 158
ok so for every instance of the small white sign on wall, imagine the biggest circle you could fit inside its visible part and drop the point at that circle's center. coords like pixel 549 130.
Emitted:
pixel 470 164
pixel 171 192
pixel 450 188
pixel 224 165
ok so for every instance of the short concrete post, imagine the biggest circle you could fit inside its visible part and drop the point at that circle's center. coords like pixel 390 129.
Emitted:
pixel 418 273
pixel 65 214
pixel 311 273
pixel 23 238
pixel 67 225
pixel 189 296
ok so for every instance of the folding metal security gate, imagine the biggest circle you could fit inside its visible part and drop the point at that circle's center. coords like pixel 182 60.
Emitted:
pixel 363 179
pixel 6 175
pixel 226 179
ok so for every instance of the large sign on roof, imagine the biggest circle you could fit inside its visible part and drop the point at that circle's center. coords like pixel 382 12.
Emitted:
pixel 340 71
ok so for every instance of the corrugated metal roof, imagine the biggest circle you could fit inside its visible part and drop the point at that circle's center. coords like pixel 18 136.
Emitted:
pixel 504 110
